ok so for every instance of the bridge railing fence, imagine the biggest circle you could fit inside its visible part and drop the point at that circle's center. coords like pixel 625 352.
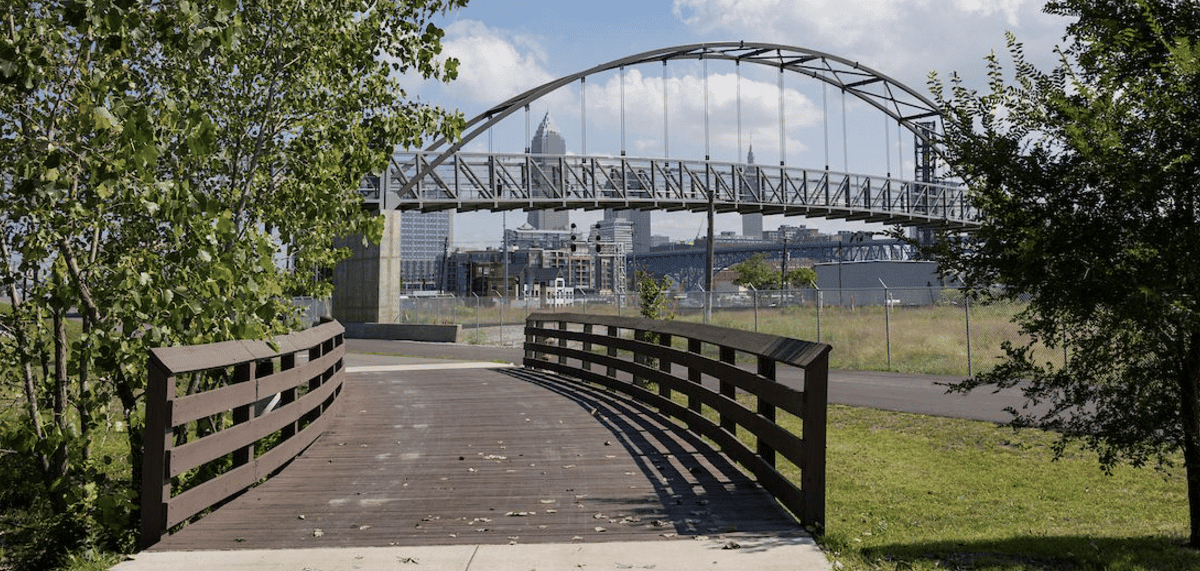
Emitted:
pixel 479 180
pixel 222 416
pixel 719 382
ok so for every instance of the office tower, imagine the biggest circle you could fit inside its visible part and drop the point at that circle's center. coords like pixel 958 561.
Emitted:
pixel 548 140
pixel 752 224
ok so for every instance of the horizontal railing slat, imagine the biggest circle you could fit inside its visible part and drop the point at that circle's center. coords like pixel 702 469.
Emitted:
pixel 200 405
pixel 199 498
pixel 280 381
pixel 198 452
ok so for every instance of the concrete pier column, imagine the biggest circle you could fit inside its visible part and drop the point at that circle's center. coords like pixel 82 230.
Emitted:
pixel 366 287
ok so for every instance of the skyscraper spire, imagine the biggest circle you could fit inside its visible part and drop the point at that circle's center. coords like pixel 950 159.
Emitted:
pixel 547 127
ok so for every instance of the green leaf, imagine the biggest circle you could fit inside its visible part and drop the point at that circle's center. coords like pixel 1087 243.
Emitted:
pixel 104 119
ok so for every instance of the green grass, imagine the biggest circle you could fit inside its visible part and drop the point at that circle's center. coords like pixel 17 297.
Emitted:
pixel 911 492
pixel 924 339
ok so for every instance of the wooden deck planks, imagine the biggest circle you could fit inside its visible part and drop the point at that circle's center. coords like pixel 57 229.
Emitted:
pixel 479 456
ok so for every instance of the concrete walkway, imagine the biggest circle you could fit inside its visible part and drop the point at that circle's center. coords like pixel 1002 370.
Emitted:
pixel 759 554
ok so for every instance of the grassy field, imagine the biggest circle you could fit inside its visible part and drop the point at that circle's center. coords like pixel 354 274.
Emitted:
pixel 911 492
pixel 924 339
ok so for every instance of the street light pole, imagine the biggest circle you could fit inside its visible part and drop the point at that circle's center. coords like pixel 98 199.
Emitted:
pixel 783 281
pixel 708 257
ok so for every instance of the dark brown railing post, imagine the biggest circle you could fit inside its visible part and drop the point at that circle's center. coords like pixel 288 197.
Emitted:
pixel 766 369
pixel 664 364
pixel 612 350
pixel 562 342
pixel 159 438
pixel 816 393
pixel 694 346
pixel 244 373
pixel 314 383
pixel 587 346
pixel 288 396
pixel 728 355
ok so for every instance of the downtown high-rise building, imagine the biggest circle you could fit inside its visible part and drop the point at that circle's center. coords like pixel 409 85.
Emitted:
pixel 548 140
pixel 752 224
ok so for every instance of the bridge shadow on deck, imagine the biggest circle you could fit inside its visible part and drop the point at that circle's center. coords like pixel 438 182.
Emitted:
pixel 699 490
pixel 491 456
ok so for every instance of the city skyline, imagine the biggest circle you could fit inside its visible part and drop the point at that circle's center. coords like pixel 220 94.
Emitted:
pixel 504 51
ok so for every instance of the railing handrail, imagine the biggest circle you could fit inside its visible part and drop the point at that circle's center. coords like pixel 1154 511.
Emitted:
pixel 293 401
pixel 794 352
pixel 654 357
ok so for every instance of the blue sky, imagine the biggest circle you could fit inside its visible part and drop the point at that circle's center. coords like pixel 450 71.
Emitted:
pixel 507 47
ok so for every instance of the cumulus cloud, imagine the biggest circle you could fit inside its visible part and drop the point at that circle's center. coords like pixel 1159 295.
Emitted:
pixel 903 38
pixel 494 64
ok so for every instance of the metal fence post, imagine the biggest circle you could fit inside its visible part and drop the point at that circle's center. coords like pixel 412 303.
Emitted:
pixel 503 302
pixel 887 321
pixel 755 300
pixel 820 302
pixel 967 310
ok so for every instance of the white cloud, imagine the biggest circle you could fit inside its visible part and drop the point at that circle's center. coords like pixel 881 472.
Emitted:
pixel 494 64
pixel 902 38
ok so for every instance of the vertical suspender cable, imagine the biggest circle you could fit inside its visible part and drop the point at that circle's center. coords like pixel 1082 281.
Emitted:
pixel 707 146
pixel 887 143
pixel 845 144
pixel 622 111
pixel 528 139
pixel 583 115
pixel 825 119
pixel 782 124
pixel 738 67
pixel 666 131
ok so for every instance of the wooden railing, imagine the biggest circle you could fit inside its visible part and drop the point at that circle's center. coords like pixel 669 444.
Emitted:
pixel 636 354
pixel 262 408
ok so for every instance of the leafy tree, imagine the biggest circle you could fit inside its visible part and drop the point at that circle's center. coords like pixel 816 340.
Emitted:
pixel 161 160
pixel 1087 178
pixel 652 296
pixel 801 277
pixel 755 272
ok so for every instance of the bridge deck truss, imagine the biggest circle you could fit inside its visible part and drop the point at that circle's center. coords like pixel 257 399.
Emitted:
pixel 497 181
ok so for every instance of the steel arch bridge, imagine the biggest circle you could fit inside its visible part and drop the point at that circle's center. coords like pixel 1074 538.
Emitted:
pixel 438 178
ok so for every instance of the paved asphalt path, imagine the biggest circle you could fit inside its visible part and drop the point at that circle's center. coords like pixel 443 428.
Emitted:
pixel 920 394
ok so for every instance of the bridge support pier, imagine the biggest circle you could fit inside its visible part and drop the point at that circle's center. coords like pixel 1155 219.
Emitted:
pixel 367 286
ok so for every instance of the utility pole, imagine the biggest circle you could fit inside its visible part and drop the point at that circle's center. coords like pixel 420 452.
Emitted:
pixel 504 226
pixel 708 257
pixel 783 273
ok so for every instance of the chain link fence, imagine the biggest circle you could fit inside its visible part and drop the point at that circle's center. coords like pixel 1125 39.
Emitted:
pixel 920 330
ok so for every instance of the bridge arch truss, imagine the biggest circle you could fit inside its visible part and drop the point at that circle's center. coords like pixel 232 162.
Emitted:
pixel 443 177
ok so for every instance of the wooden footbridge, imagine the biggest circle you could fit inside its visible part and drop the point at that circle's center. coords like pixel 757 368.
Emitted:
pixel 291 448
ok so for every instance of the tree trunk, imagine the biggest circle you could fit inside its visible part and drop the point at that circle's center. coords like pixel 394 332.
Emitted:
pixel 61 462
pixel 1189 391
